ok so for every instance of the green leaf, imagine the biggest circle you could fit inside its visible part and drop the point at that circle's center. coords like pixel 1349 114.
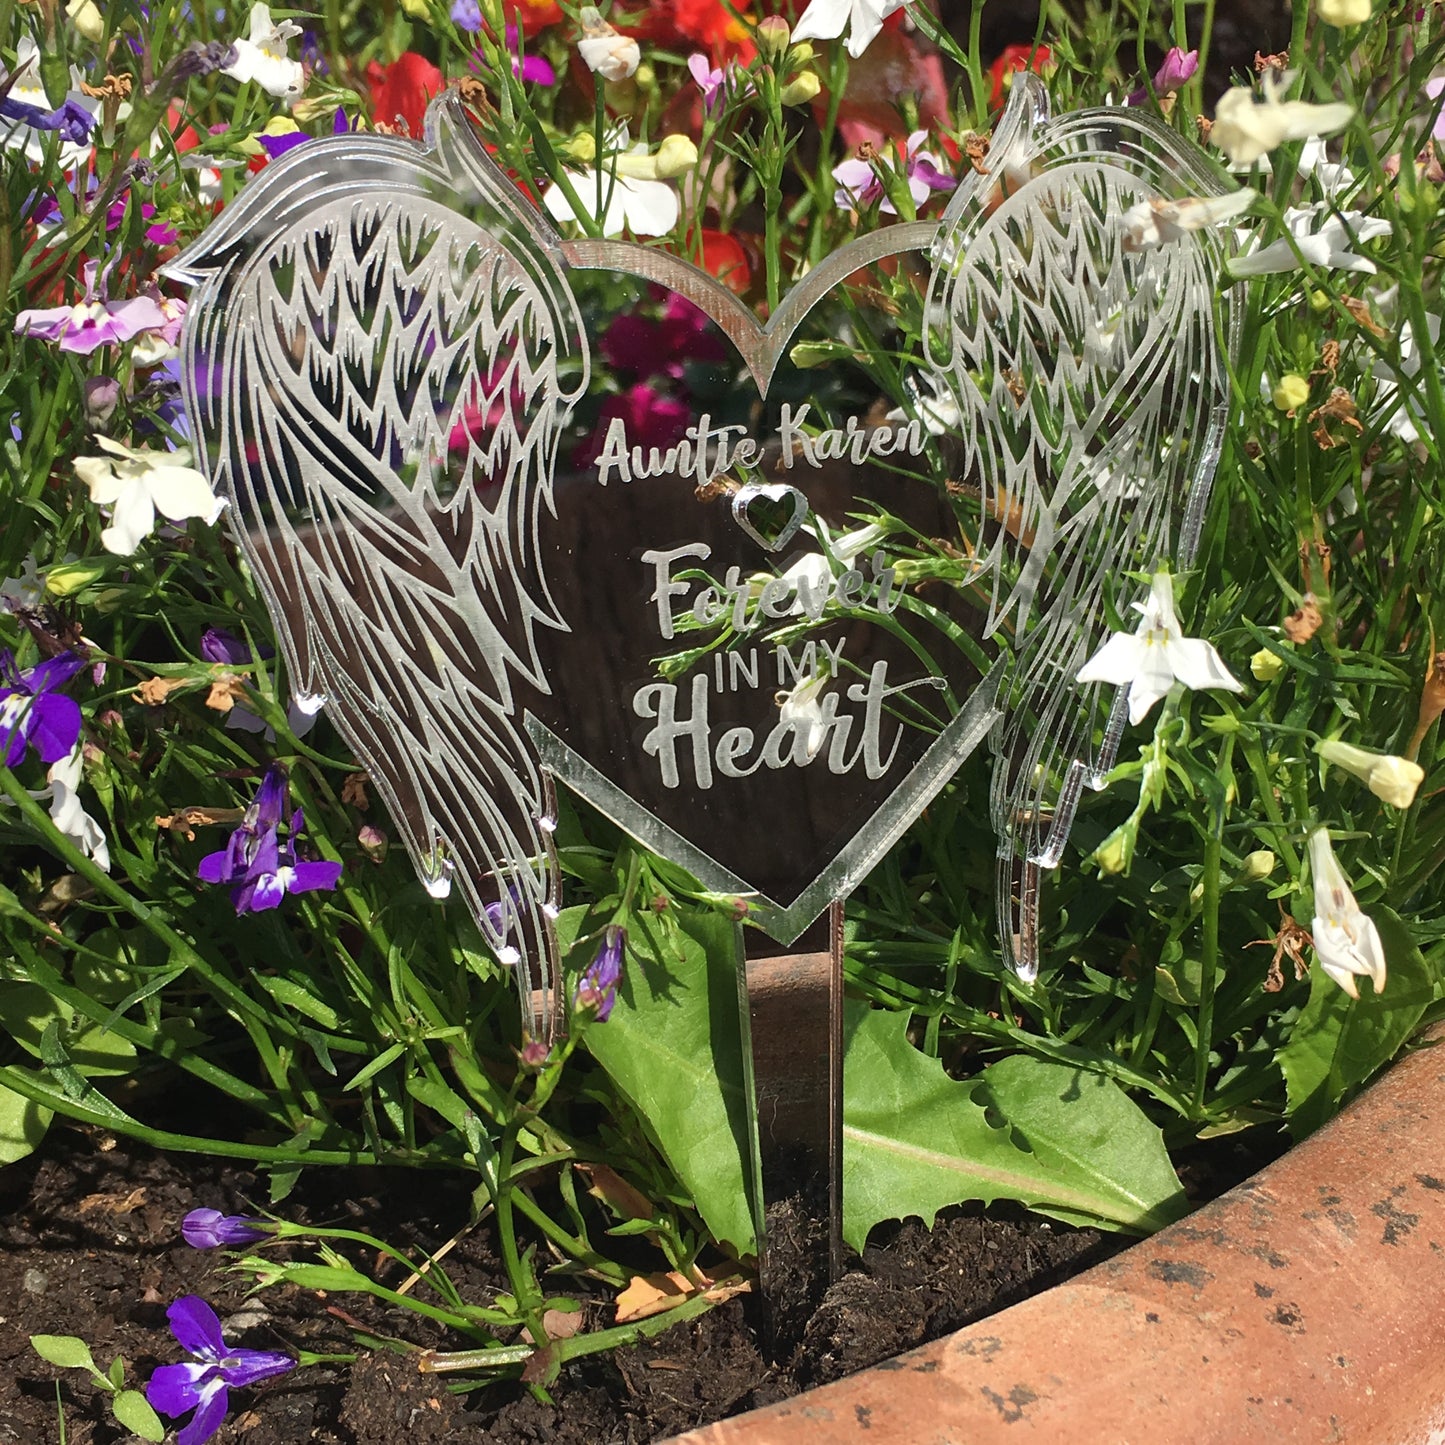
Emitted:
pixel 1337 1042
pixel 67 1351
pixel 116 1373
pixel 133 1411
pixel 29 1013
pixel 22 1125
pixel 1056 1138
pixel 283 990
pixel 673 1047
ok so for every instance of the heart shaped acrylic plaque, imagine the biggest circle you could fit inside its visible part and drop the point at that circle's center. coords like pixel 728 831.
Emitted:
pixel 527 508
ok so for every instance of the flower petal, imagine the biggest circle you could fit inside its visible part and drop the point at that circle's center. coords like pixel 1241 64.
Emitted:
pixel 208 1419
pixel 1117 661
pixel 246 1367
pixel 174 1389
pixel 1154 679
pixel 1197 665
pixel 55 725
pixel 196 1328
pixel 307 877
pixel 180 492
pixel 131 522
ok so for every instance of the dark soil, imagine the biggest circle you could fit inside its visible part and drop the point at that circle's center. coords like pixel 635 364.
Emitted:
pixel 90 1246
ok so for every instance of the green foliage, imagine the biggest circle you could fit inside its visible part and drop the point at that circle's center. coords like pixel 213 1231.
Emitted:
pixel 1059 1139
pixel 131 1409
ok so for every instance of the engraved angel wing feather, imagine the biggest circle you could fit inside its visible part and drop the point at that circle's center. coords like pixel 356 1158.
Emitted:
pixel 1089 381
pixel 381 359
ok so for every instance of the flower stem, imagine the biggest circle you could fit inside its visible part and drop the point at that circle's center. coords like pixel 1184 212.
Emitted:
pixel 1208 961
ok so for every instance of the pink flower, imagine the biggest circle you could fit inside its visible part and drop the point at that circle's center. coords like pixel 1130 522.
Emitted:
pixel 709 79
pixel 652 420
pixel 860 184
pixel 91 324
pixel 1178 67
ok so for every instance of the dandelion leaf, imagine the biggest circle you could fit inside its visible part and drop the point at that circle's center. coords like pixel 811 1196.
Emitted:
pixel 1060 1140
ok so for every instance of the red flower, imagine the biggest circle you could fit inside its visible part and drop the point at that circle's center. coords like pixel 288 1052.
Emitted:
pixel 723 256
pixel 400 91
pixel 1014 58
pixel 533 15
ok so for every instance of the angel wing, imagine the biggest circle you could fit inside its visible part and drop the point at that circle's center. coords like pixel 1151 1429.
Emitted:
pixel 379 360
pixel 1091 383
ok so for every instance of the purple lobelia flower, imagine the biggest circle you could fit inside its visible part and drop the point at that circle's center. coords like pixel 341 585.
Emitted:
pixel 597 990
pixel 210 1229
pixel 1177 67
pixel 220 646
pixel 203 1385
pixel 32 711
pixel 260 868
pixel 73 121
pixel 92 322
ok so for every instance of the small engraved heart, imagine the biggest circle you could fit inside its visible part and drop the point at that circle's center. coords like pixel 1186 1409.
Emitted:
pixel 770 513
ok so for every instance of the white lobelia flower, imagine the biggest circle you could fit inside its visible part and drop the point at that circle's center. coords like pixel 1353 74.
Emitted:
pixel 634 194
pixel 137 483
pixel 262 56
pixel 1334 178
pixel 1322 242
pixel 604 52
pixel 1151 660
pixel 801 706
pixel 67 814
pixel 1246 129
pixel 939 413
pixel 1392 779
pixel 1156 222
pixel 1346 940
pixel 1404 409
pixel 863 19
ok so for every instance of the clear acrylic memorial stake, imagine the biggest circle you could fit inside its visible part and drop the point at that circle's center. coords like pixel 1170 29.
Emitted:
pixel 759 619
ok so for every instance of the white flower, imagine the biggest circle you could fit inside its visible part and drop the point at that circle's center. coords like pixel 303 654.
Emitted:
pixel 1325 244
pixel 632 199
pixel 939 413
pixel 1346 940
pixel 27 89
pixel 1393 780
pixel 1246 129
pixel 1334 178
pixel 67 814
pixel 1155 657
pixel 262 57
pixel 1405 408
pixel 800 706
pixel 137 484
pixel 1155 222
pixel 604 52
pixel 25 592
pixel 826 19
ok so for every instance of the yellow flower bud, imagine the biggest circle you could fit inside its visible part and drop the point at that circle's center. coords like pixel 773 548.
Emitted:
pixel 1291 393
pixel 1257 866
pixel 803 52
pixel 675 156
pixel 1116 852
pixel 86 19
pixel 1266 665
pixel 582 147
pixel 1319 301
pixel 1343 12
pixel 1391 779
pixel 800 89
pixel 65 579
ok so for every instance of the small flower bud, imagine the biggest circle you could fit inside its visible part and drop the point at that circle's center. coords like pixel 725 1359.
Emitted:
pixel 1257 866
pixel 65 579
pixel 802 53
pixel 86 18
pixel 373 842
pixel 675 156
pixel 646 77
pixel 801 89
pixel 1116 852
pixel 582 147
pixel 210 1229
pixel 1392 779
pixel 101 395
pixel 1341 13
pixel 1266 665
pixel 772 36
pixel 1319 301
pixel 534 1054
pixel 606 53
pixel 1292 392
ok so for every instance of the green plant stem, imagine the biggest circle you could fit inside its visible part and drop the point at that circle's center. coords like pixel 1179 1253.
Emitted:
pixel 1208 961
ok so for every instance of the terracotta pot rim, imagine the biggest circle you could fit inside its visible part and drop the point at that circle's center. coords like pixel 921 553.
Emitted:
pixel 1307 1304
